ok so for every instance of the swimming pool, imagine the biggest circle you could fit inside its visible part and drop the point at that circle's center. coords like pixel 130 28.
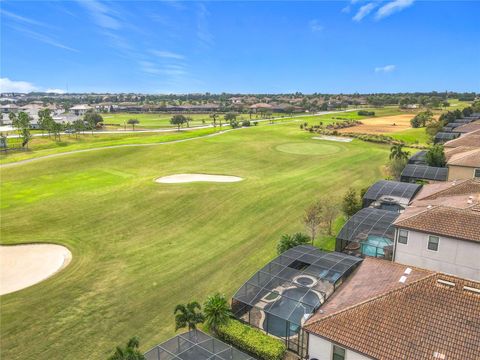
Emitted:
pixel 284 307
pixel 374 245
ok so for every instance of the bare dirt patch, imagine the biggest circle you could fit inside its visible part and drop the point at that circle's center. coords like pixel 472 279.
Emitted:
pixel 22 266
pixel 382 125
pixel 187 178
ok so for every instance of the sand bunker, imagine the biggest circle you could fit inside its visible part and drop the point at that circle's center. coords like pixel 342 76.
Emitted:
pixel 187 178
pixel 332 138
pixel 22 266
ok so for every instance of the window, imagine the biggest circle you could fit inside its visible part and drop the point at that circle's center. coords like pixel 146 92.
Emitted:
pixel 476 173
pixel 433 243
pixel 338 353
pixel 402 236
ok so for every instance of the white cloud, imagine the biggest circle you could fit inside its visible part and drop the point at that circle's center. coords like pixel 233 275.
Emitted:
pixel 21 18
pixel 385 69
pixel 315 26
pixel 392 7
pixel 364 11
pixel 167 54
pixel 203 32
pixel 101 14
pixel 44 38
pixel 7 85
pixel 55 91
pixel 346 9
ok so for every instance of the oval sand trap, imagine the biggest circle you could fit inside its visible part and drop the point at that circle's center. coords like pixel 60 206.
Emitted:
pixel 187 178
pixel 22 266
pixel 309 148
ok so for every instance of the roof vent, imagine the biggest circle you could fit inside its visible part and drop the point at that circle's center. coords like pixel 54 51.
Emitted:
pixel 437 355
pixel 445 282
pixel 470 197
pixel 469 201
pixel 429 207
pixel 408 271
pixel 472 289
pixel 402 279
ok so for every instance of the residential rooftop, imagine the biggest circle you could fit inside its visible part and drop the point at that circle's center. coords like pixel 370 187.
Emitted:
pixel 470 158
pixel 372 278
pixel 470 139
pixel 445 221
pixel 436 317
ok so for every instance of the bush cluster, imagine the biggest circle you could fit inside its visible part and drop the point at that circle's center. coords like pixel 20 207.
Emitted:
pixel 365 113
pixel 252 340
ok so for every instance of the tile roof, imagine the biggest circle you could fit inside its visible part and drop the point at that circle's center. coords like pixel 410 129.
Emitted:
pixel 469 158
pixel 465 187
pixel 445 221
pixel 426 319
pixel 470 139
pixel 372 278
pixel 468 127
pixel 449 152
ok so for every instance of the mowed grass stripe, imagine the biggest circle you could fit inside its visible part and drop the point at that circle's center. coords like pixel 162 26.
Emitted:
pixel 139 247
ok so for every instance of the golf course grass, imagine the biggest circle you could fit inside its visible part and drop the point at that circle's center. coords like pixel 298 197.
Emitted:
pixel 140 247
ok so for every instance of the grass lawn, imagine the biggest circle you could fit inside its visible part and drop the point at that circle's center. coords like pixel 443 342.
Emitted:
pixel 150 121
pixel 139 247
pixel 412 136
pixel 42 146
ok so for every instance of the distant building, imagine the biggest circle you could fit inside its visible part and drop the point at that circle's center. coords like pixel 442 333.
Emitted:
pixel 80 109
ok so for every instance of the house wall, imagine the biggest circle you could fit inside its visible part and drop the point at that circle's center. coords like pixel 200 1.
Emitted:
pixel 456 257
pixel 460 172
pixel 321 349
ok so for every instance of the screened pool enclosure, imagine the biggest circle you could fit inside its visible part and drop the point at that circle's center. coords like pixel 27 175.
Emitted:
pixel 390 195
pixel 195 345
pixel 369 232
pixel 282 295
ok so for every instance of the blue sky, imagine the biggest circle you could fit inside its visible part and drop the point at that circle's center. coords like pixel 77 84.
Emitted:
pixel 244 47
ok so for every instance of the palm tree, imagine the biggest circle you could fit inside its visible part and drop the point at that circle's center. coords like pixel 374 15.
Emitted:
pixel 217 311
pixel 130 352
pixel 396 152
pixel 187 315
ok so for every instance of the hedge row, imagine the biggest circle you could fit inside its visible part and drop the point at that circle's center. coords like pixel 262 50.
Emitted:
pixel 252 340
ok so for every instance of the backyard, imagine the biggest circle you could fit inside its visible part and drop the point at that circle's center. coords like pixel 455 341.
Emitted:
pixel 133 240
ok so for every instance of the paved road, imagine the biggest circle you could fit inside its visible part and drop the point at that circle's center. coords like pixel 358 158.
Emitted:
pixel 193 127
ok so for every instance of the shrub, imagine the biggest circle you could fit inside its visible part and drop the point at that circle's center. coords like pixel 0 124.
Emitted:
pixel 289 241
pixel 255 123
pixel 245 123
pixel 366 113
pixel 252 340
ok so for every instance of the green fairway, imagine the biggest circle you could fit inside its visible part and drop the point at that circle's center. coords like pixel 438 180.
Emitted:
pixel 139 247
pixel 412 136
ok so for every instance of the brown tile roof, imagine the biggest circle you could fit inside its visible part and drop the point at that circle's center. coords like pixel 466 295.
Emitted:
pixel 470 139
pixel 449 152
pixel 445 221
pixel 372 278
pixel 468 159
pixel 424 320
pixel 473 126
pixel 465 187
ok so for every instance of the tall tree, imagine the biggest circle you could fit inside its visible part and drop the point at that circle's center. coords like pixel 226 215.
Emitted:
pixel 178 120
pixel 312 219
pixel 133 122
pixel 44 119
pixel 328 214
pixel 129 352
pixel 214 117
pixel 23 125
pixel 397 152
pixel 217 311
pixel 351 202
pixel 188 316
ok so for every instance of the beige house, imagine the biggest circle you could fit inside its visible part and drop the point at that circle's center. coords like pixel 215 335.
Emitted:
pixel 464 165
